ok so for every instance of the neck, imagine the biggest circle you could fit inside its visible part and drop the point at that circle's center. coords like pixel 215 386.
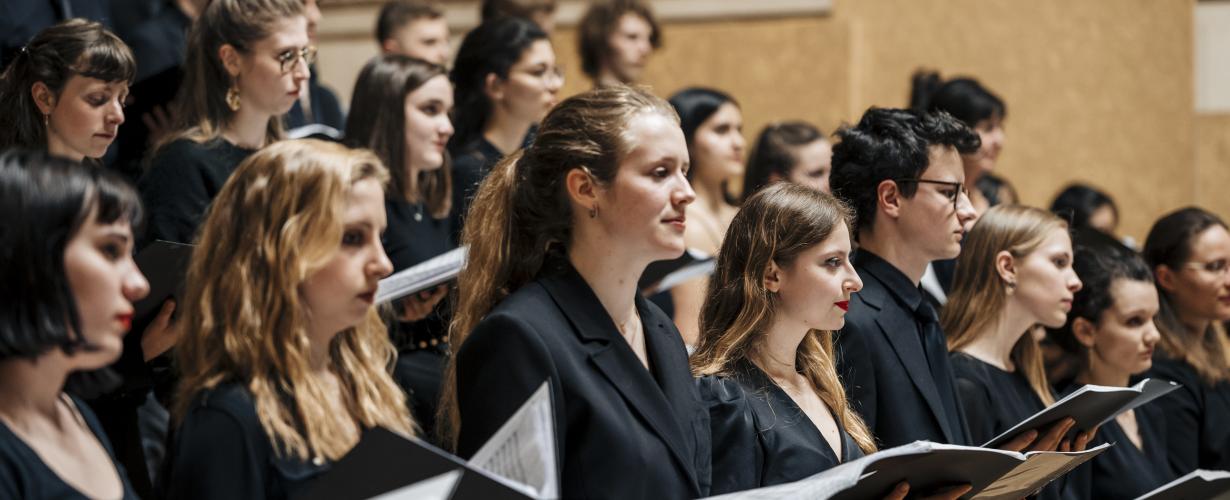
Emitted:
pixel 319 341
pixel 895 250
pixel 779 348
pixel 710 193
pixel 1195 326
pixel 30 389
pixel 57 148
pixel 607 78
pixel 1100 374
pixel 609 271
pixel 247 129
pixel 505 132
pixel 994 345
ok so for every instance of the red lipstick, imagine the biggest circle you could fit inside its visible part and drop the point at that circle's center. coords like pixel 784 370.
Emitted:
pixel 124 319
pixel 843 304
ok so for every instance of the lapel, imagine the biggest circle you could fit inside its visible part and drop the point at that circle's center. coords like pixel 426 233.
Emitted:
pixel 899 327
pixel 613 357
pixel 776 397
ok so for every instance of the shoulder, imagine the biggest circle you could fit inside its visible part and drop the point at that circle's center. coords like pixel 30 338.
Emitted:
pixel 228 406
pixel 517 321
pixel 718 391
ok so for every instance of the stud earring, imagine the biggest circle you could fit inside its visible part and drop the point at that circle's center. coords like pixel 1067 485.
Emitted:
pixel 232 98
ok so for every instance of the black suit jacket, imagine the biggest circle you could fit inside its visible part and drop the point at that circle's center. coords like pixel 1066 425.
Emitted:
pixel 622 431
pixel 882 362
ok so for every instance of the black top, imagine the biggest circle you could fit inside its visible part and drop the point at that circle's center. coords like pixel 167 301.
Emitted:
pixel 882 359
pixel 622 431
pixel 183 178
pixel 24 475
pixel 995 400
pixel 326 109
pixel 220 450
pixel 1197 418
pixel 1123 470
pixel 760 435
pixel 471 164
pixel 412 237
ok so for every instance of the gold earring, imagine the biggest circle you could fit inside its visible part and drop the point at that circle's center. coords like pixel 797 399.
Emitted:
pixel 232 98
pixel 593 211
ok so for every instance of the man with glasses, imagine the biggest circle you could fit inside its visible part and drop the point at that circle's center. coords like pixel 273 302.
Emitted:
pixel 901 173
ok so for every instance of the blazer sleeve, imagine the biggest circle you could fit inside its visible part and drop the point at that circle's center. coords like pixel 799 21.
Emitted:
pixel 214 458
pixel 738 457
pixel 977 405
pixel 499 366
pixel 854 365
pixel 1182 409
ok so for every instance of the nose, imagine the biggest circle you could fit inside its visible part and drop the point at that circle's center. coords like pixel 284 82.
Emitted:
pixel 446 127
pixel 134 287
pixel 555 81
pixel 1152 336
pixel 740 142
pixel 965 210
pixel 685 194
pixel 854 283
pixel 1074 282
pixel 380 265
pixel 302 71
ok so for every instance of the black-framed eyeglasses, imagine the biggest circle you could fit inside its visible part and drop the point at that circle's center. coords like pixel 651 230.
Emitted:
pixel 289 57
pixel 953 193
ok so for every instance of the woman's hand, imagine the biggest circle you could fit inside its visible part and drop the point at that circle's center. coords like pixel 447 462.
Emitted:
pixel 418 306
pixel 1029 440
pixel 161 334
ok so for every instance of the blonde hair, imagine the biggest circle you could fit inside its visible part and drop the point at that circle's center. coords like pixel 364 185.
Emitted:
pixel 521 212
pixel 774 225
pixel 979 295
pixel 278 220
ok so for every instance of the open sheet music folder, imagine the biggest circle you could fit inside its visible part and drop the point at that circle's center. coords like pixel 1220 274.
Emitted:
pixel 1091 406
pixel 437 270
pixel 666 274
pixel 928 467
pixel 164 264
pixel 1199 484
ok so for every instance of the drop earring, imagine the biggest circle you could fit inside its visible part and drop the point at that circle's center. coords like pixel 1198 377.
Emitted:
pixel 232 98
pixel 593 212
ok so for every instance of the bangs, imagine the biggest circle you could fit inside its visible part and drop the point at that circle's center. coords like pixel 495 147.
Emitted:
pixel 107 59
pixel 113 200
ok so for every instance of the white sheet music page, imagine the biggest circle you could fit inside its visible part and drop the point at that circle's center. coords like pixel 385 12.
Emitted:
pixel 523 450
pixel 426 274
pixel 436 488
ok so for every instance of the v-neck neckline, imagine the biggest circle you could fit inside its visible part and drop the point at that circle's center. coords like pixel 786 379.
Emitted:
pixel 781 394
pixel 42 462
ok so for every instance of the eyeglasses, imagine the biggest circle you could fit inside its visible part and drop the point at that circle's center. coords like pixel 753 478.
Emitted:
pixel 1217 267
pixel 953 193
pixel 545 73
pixel 289 57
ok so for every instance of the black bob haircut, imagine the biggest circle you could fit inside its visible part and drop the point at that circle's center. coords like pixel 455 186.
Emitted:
pixel 695 105
pixel 963 98
pixel 47 200
pixel 1078 202
pixel 1099 260
pixel 891 144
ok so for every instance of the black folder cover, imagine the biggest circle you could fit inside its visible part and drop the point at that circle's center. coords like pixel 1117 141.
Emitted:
pixel 164 265
pixel 384 461
pixel 658 270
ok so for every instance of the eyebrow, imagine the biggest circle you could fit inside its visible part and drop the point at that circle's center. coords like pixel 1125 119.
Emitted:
pixel 116 233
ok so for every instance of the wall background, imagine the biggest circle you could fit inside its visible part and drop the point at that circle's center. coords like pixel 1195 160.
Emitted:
pixel 1098 91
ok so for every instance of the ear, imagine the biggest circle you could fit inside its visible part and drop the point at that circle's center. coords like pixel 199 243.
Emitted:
pixel 1005 266
pixel 1083 330
pixel 390 46
pixel 773 277
pixel 888 198
pixel 1166 277
pixel 230 58
pixel 43 97
pixel 493 86
pixel 582 189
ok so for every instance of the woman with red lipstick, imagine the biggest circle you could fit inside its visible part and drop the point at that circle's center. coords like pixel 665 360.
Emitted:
pixel 713 126
pixel 558 235
pixel 284 358
pixel 70 282
pixel 1014 272
pixel 247 61
pixel 1189 251
pixel 411 140
pixel 65 91
pixel 1111 333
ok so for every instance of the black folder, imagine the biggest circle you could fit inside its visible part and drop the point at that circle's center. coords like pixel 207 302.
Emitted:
pixel 383 462
pixel 164 265
pixel 658 271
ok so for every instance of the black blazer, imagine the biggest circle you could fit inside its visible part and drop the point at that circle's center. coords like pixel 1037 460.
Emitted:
pixel 622 431
pixel 882 363
pixel 760 435
pixel 1197 418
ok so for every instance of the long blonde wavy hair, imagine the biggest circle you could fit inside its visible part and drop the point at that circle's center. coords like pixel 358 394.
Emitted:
pixel 277 221
pixel 774 225
pixel 979 295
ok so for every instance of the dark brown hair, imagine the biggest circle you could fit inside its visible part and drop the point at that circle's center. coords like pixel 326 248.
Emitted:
pixel 600 21
pixel 377 121
pixel 72 47
pixel 521 211
pixel 774 153
pixel 398 13
pixel 525 9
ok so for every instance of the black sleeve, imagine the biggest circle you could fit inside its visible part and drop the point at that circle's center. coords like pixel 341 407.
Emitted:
pixel 854 365
pixel 499 366
pixel 174 193
pixel 976 403
pixel 737 454
pixel 214 457
pixel 1183 409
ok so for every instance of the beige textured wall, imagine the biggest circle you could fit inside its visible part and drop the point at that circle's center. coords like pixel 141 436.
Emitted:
pixel 1213 162
pixel 1099 91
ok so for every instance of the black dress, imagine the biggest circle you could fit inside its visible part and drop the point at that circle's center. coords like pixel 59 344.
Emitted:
pixel 622 431
pixel 1123 470
pixel 220 450
pixel 760 435
pixel 1197 418
pixel 183 178
pixel 24 475
pixel 412 237
pixel 994 401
